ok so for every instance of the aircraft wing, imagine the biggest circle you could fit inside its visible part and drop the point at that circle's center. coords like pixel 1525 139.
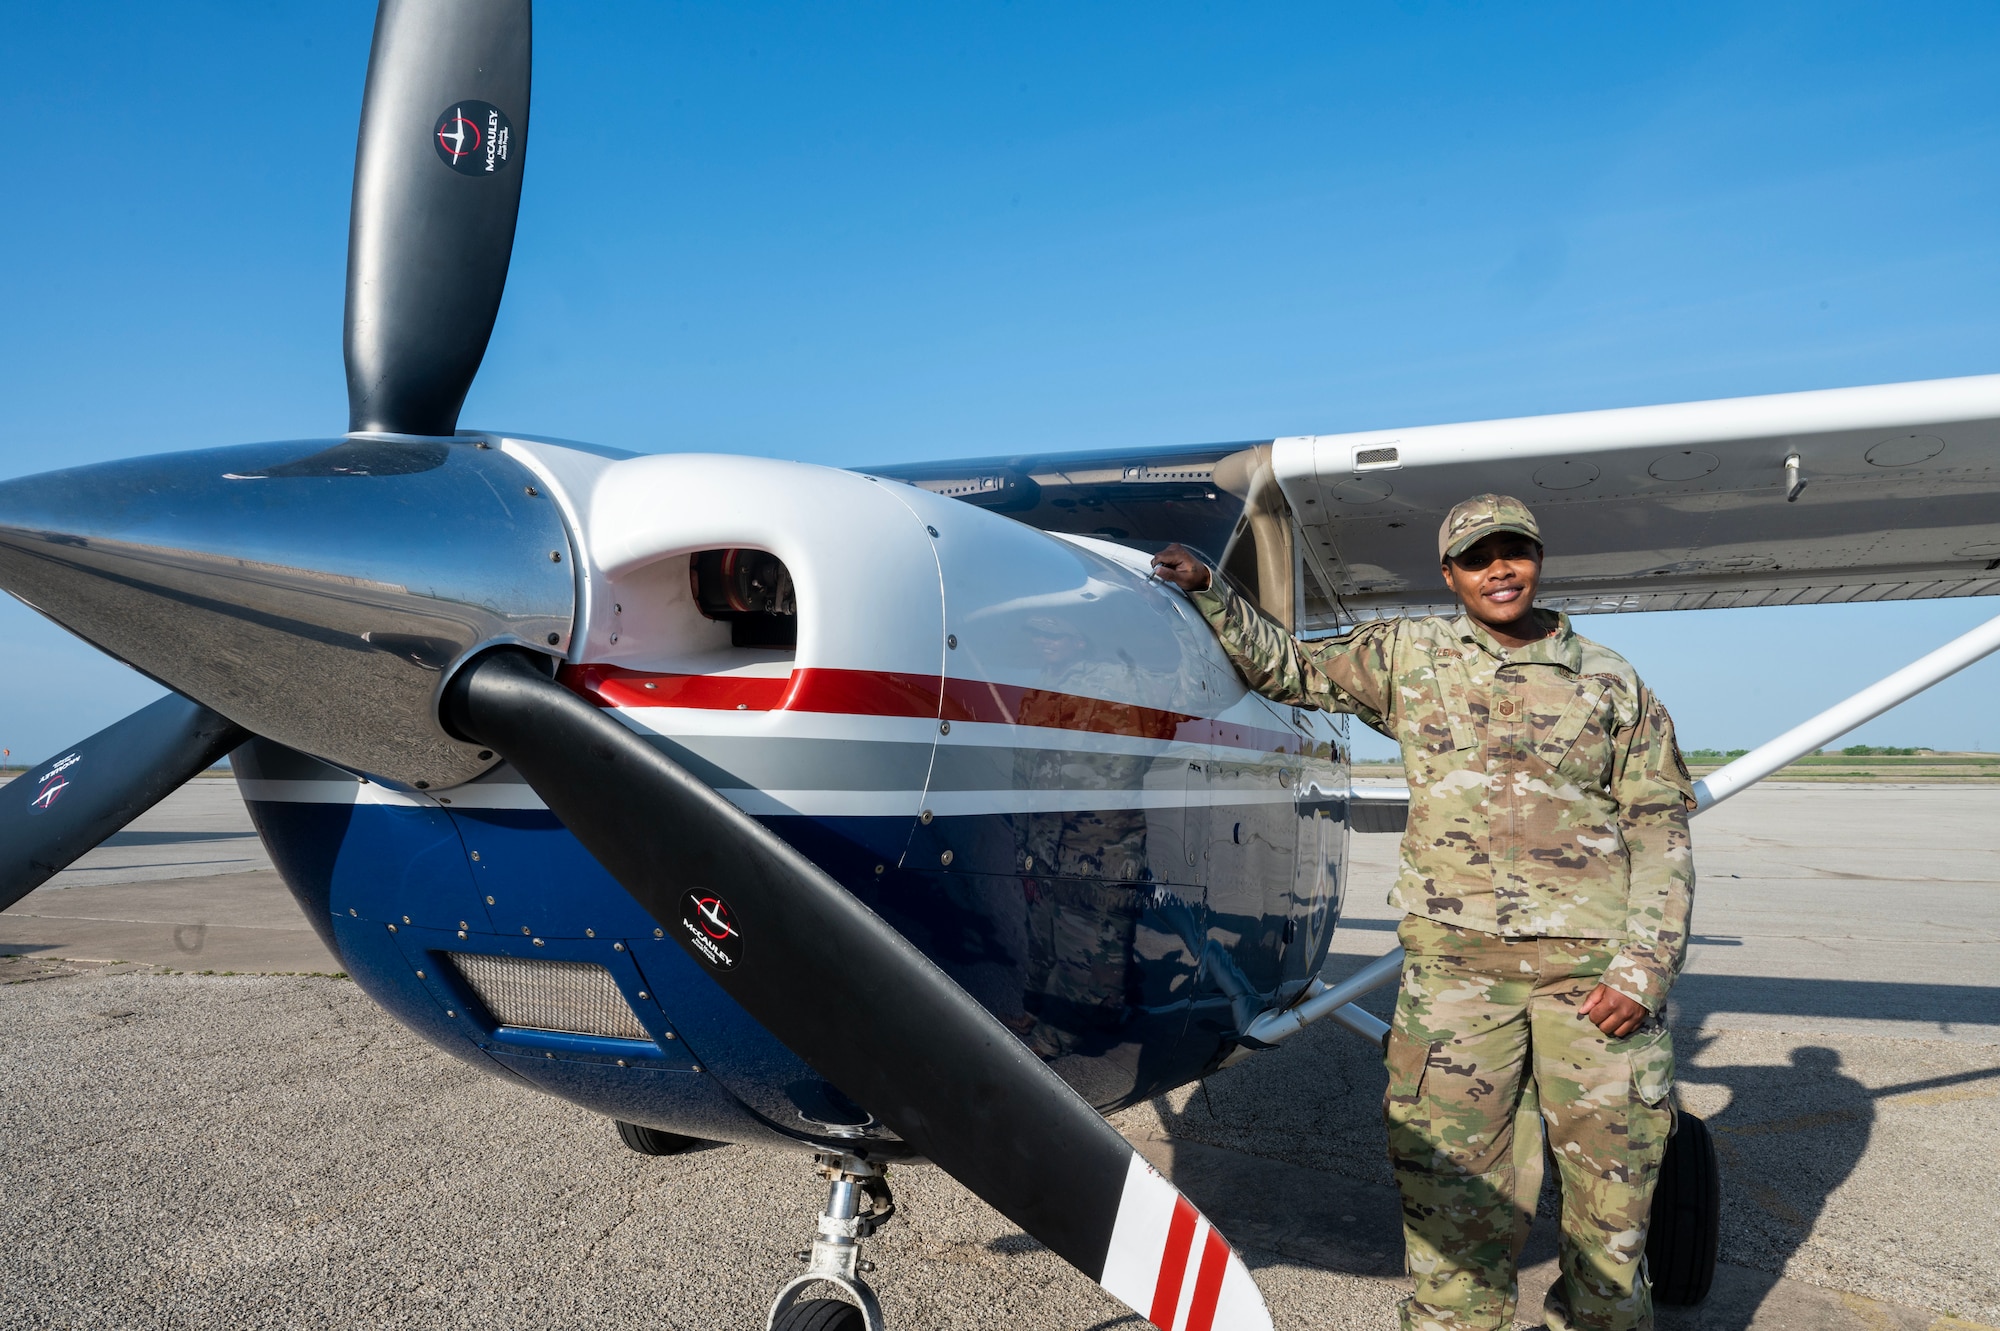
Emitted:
pixel 1675 507
pixel 1678 507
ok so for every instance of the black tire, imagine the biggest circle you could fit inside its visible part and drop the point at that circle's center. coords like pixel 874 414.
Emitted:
pixel 651 1141
pixel 1687 1217
pixel 821 1315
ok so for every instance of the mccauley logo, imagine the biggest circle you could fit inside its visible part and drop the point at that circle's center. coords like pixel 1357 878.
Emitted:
pixel 710 927
pixel 473 138
pixel 458 138
pixel 50 785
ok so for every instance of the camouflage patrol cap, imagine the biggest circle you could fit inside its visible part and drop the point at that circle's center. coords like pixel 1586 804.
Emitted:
pixel 1480 516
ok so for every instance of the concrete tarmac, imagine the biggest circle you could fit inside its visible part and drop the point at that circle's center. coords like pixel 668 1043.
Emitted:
pixel 199 831
pixel 189 1150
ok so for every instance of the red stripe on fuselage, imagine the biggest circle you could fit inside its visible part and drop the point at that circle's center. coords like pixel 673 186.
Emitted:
pixel 612 686
pixel 888 693
pixel 1173 1266
pixel 862 693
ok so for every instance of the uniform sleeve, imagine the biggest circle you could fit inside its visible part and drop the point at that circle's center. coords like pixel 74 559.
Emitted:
pixel 1348 673
pixel 1655 796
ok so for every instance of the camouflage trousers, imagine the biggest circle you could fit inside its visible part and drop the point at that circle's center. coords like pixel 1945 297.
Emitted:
pixel 1487 1051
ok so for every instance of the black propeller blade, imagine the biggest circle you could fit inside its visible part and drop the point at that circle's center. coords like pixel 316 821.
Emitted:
pixel 64 807
pixel 844 990
pixel 437 186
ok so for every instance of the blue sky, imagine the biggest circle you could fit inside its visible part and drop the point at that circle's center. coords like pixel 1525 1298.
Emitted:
pixel 859 233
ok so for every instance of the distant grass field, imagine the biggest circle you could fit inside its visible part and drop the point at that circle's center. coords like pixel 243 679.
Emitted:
pixel 1956 769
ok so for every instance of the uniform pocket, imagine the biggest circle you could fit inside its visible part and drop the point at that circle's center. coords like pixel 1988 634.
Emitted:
pixel 1454 715
pixel 1650 1051
pixel 1407 1060
pixel 1581 709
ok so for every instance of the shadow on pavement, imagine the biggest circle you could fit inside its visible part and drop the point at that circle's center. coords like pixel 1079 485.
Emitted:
pixel 170 838
pixel 1774 1191
pixel 1698 996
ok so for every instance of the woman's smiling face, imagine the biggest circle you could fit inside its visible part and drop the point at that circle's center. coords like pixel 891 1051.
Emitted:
pixel 1495 579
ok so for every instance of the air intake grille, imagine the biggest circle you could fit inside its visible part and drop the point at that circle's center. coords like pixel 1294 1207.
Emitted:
pixel 1375 457
pixel 573 996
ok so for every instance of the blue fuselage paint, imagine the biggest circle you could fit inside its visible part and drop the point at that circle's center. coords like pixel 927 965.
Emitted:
pixel 1126 982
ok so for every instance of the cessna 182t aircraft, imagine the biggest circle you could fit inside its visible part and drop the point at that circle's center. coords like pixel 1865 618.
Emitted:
pixel 862 815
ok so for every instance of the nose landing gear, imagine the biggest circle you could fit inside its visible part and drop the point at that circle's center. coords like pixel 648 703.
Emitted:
pixel 835 1256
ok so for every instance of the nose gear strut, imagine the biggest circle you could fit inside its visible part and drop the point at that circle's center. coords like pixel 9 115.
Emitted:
pixel 835 1256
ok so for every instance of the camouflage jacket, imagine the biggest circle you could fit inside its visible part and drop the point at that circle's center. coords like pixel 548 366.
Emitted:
pixel 1547 795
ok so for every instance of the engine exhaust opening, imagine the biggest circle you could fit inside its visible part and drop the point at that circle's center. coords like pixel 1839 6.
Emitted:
pixel 752 591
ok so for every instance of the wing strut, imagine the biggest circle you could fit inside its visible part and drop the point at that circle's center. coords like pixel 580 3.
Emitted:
pixel 1842 717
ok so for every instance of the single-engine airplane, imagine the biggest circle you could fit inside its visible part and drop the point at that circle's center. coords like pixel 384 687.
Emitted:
pixel 876 814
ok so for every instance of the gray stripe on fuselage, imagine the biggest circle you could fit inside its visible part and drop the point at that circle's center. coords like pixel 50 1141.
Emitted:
pixel 983 767
pixel 776 763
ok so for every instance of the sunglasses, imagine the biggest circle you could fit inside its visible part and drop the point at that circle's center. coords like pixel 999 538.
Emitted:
pixel 1476 559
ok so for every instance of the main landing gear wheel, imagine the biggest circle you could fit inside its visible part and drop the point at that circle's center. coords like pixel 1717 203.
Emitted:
pixel 652 1141
pixel 821 1315
pixel 835 1257
pixel 1687 1216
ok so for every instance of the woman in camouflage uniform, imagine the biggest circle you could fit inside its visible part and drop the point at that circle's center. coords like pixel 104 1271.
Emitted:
pixel 1546 880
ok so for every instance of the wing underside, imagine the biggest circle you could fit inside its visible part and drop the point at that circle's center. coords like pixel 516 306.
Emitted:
pixel 1679 507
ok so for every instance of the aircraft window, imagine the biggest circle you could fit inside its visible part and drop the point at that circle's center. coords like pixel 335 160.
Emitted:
pixel 1146 501
pixel 749 589
pixel 1218 497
